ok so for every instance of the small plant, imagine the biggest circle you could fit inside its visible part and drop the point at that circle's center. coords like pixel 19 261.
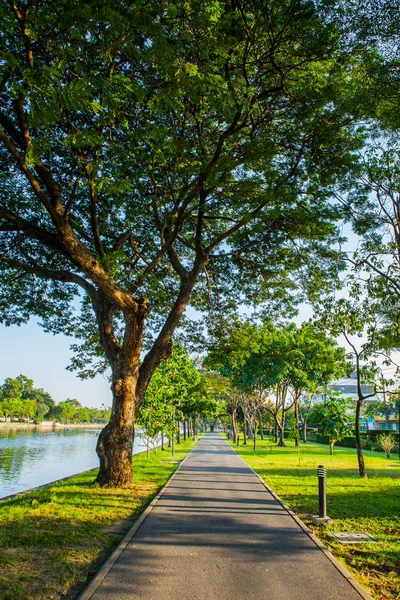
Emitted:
pixel 332 418
pixel 387 442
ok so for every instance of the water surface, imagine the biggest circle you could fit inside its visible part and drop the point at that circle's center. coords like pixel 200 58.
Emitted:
pixel 30 457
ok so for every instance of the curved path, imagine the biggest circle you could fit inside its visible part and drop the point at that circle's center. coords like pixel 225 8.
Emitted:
pixel 217 533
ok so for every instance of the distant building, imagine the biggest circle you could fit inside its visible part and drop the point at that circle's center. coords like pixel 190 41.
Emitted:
pixel 348 387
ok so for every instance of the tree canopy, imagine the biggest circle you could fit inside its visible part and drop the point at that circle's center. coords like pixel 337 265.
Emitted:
pixel 152 152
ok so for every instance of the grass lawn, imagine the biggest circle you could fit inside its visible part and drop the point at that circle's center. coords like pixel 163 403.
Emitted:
pixel 53 540
pixel 371 505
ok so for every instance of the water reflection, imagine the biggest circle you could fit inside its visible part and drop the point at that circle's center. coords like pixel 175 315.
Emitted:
pixel 31 457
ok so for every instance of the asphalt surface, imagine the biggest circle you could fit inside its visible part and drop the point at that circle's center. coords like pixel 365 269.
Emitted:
pixel 217 533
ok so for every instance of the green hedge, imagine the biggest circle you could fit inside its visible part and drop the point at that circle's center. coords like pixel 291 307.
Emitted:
pixel 369 440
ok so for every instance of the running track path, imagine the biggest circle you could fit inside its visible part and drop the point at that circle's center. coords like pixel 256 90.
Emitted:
pixel 217 534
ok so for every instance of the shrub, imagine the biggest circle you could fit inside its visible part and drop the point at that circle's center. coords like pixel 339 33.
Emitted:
pixel 387 442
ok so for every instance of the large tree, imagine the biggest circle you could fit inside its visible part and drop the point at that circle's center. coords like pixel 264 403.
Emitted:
pixel 147 146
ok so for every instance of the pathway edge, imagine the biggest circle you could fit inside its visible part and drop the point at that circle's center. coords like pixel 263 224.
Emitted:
pixel 353 582
pixel 116 553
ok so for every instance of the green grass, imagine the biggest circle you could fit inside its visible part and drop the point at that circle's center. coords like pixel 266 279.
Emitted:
pixel 53 540
pixel 355 504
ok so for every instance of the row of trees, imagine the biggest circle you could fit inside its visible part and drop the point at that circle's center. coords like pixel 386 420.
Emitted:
pixel 153 153
pixel 275 372
pixel 179 396
pixel 274 369
pixel 71 411
pixel 21 400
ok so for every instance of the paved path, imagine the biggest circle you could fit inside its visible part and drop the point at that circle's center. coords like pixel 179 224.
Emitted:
pixel 217 533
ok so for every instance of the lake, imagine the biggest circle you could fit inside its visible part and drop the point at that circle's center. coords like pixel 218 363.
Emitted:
pixel 30 457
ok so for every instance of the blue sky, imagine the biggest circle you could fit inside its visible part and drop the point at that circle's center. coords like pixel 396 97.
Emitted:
pixel 43 357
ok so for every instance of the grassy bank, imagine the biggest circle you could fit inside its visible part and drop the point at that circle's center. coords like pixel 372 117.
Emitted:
pixel 372 505
pixel 53 540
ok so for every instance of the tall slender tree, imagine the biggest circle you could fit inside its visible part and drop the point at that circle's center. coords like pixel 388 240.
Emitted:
pixel 357 321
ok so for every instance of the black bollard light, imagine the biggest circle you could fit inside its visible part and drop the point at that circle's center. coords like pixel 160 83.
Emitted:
pixel 322 491
pixel 322 518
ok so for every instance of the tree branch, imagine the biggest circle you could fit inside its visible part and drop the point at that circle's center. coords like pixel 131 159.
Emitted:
pixel 64 276
pixel 28 174
pixel 104 310
pixel 17 223
pixel 94 221
pixel 119 242
pixel 176 263
pixel 11 130
pixel 234 228
pixel 22 18
pixel 386 276
pixel 200 219
pixel 162 346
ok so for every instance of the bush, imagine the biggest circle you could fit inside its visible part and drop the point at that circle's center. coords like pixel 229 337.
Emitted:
pixel 387 443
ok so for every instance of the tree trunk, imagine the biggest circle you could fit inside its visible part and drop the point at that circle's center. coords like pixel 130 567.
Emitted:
pixel 331 446
pixel 114 445
pixel 234 427
pixel 276 428
pixel 261 428
pixel 195 427
pixel 251 429
pixel 296 416
pixel 244 430
pixel 360 457
pixel 178 433
pixel 281 436
pixel 255 434
pixel 184 430
pixel 304 432
pixel 162 441
pixel 281 426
